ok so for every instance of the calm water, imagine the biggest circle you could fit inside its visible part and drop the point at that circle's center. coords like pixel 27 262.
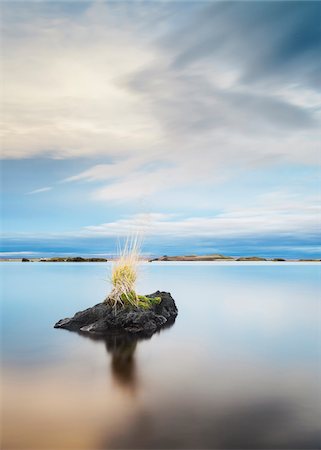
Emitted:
pixel 239 369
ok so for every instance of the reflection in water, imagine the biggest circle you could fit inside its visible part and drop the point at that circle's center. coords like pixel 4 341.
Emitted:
pixel 123 364
pixel 122 348
pixel 250 425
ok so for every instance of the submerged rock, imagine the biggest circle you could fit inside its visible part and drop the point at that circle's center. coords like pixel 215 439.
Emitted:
pixel 103 318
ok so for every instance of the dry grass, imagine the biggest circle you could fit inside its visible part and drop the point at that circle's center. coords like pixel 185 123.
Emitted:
pixel 124 274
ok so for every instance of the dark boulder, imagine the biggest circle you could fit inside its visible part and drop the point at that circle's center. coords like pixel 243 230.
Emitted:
pixel 103 318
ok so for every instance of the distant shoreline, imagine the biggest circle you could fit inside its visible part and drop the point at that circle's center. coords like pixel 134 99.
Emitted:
pixel 165 258
pixel 218 257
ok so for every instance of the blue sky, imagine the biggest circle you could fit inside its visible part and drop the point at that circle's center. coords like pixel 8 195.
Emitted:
pixel 195 122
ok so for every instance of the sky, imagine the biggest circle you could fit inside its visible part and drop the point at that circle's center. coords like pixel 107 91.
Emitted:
pixel 196 123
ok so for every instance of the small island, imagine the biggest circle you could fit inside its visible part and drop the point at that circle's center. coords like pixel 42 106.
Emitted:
pixel 73 259
pixel 152 313
pixel 215 257
pixel 58 259
pixel 124 311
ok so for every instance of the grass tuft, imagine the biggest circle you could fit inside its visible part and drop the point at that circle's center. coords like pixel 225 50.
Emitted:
pixel 123 279
pixel 124 275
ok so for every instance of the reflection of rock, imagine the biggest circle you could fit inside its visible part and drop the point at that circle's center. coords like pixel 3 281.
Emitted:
pixel 122 347
pixel 123 360
pixel 103 318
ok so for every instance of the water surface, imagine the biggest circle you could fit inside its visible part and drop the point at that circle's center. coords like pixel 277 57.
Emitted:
pixel 239 369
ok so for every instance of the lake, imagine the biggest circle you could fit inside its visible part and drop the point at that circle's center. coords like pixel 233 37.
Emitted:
pixel 239 369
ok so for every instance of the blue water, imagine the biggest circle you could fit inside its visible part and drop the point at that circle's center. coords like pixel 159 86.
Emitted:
pixel 240 368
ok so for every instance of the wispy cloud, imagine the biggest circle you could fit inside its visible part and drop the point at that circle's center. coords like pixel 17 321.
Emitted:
pixel 13 254
pixel 276 215
pixel 38 191
pixel 159 89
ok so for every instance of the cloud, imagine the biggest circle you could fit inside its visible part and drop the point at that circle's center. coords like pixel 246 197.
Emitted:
pixel 276 42
pixel 38 191
pixel 276 224
pixel 194 103
pixel 164 96
pixel 62 96
pixel 167 95
pixel 97 82
pixel 14 254
pixel 277 214
pixel 108 171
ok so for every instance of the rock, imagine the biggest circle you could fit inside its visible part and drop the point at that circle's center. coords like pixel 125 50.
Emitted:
pixel 73 259
pixel 214 257
pixel 251 258
pixel 103 318
pixel 25 260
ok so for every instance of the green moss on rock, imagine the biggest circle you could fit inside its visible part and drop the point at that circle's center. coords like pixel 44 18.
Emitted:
pixel 147 302
pixel 141 300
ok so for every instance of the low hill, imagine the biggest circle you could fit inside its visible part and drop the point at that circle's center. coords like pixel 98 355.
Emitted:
pixel 214 257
